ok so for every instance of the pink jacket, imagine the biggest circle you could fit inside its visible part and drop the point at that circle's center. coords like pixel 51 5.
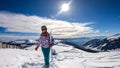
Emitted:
pixel 43 41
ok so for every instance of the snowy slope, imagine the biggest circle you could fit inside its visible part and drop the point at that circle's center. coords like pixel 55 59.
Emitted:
pixel 68 57
pixel 15 58
pixel 107 44
pixel 116 36
pixel 80 41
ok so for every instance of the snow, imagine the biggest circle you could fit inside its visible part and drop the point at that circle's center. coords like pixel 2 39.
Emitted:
pixel 114 37
pixel 24 41
pixel 15 58
pixel 68 57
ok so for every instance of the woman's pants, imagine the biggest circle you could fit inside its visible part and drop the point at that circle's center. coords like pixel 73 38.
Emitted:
pixel 46 52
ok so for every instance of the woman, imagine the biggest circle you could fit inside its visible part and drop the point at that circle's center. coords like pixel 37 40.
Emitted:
pixel 46 44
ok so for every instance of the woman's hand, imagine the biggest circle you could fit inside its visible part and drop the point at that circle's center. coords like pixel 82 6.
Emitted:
pixel 36 48
pixel 50 45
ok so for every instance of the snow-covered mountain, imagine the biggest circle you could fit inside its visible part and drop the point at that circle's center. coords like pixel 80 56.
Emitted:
pixel 67 57
pixel 21 42
pixel 76 41
pixel 114 37
pixel 80 41
pixel 109 43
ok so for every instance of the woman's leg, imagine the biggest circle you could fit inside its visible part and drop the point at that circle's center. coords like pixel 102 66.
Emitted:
pixel 46 52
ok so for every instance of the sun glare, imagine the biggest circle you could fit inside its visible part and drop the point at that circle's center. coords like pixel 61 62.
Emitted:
pixel 65 7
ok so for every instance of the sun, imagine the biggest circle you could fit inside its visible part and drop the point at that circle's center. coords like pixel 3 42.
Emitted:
pixel 65 7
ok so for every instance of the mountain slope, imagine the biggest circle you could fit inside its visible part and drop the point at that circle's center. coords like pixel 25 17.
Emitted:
pixel 68 57
pixel 110 43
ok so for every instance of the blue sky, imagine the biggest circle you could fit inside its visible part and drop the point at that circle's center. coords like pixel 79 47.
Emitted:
pixel 101 16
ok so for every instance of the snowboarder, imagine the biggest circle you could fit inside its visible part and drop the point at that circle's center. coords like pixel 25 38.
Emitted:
pixel 45 43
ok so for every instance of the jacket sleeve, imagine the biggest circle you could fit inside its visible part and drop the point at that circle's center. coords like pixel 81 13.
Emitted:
pixel 39 41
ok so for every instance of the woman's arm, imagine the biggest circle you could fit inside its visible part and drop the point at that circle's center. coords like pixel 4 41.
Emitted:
pixel 38 43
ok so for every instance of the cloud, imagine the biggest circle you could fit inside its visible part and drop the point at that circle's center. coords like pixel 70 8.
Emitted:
pixel 32 24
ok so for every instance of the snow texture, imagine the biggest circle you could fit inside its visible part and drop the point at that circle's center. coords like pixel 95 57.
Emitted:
pixel 67 57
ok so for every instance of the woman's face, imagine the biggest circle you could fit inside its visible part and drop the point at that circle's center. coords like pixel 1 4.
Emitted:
pixel 44 30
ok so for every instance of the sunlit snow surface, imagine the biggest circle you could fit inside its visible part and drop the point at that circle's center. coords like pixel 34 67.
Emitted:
pixel 68 57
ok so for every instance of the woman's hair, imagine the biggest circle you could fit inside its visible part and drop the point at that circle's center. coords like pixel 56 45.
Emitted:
pixel 43 27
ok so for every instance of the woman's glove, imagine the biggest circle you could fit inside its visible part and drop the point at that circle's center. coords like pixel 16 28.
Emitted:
pixel 50 45
pixel 36 48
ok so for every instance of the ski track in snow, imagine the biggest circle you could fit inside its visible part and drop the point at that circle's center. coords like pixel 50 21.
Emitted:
pixel 68 57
